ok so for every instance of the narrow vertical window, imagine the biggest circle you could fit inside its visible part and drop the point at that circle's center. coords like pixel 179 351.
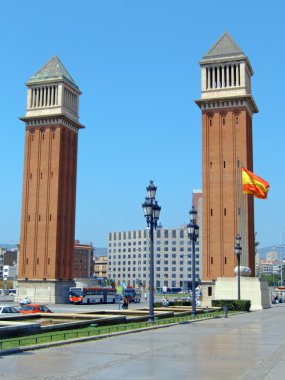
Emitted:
pixel 210 122
pixel 225 212
pixel 212 260
pixel 225 261
pixel 224 121
pixel 224 164
pixel 211 212
pixel 238 74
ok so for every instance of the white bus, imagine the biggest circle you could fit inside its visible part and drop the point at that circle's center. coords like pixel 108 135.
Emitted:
pixel 92 295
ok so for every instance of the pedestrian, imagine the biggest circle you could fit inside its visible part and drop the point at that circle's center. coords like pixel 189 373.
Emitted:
pixel 25 301
pixel 126 303
pixel 145 297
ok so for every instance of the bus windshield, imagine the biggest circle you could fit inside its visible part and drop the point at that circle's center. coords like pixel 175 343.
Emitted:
pixel 77 292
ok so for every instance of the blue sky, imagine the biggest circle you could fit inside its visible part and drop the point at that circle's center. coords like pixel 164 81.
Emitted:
pixel 136 63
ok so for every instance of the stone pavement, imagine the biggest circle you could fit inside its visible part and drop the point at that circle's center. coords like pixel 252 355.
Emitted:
pixel 245 346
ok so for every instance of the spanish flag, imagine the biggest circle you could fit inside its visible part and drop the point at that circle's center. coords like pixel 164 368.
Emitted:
pixel 252 184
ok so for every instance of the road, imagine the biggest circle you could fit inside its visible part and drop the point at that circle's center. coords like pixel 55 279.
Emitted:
pixel 246 346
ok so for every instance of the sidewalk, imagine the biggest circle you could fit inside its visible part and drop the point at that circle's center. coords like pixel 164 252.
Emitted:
pixel 246 346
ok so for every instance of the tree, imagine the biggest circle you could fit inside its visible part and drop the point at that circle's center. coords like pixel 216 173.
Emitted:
pixel 109 282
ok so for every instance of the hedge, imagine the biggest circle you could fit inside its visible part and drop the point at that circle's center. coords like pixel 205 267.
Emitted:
pixel 235 305
pixel 174 303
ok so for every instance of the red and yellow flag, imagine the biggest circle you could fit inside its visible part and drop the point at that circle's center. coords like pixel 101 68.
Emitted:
pixel 252 184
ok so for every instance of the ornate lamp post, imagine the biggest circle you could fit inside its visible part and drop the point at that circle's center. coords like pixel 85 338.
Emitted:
pixel 193 234
pixel 151 213
pixel 238 253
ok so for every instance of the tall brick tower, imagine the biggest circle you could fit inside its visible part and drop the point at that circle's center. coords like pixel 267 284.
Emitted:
pixel 49 186
pixel 227 107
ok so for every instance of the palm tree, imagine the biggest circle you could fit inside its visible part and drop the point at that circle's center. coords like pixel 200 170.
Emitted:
pixel 109 282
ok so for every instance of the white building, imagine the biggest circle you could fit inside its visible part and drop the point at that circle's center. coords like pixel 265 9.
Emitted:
pixel 128 258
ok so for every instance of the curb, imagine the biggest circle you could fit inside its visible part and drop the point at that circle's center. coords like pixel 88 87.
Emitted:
pixel 34 347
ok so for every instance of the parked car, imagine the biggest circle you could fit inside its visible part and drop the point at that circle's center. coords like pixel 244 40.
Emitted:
pixel 8 310
pixel 34 308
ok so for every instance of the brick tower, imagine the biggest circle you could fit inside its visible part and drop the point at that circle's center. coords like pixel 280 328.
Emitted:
pixel 227 107
pixel 49 185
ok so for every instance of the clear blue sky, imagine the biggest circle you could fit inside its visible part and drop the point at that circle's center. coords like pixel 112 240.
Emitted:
pixel 136 63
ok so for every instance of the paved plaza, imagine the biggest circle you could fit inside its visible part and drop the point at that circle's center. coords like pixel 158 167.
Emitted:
pixel 245 346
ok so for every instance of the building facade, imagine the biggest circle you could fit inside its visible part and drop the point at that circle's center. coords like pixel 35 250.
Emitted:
pixel 8 258
pixel 100 266
pixel 83 260
pixel 128 258
pixel 49 185
pixel 227 108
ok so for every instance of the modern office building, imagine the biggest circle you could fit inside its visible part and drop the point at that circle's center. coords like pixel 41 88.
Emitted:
pixel 227 107
pixel 49 186
pixel 128 258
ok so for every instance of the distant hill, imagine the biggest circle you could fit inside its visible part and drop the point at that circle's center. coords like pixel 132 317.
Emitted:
pixel 8 246
pixel 100 251
pixel 263 251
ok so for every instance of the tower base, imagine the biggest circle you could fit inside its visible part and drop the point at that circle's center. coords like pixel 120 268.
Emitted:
pixel 46 292
pixel 251 288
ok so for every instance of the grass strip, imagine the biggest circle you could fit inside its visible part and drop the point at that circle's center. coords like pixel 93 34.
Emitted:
pixel 95 331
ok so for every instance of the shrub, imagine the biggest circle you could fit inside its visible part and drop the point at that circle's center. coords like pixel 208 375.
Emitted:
pixel 235 305
pixel 174 303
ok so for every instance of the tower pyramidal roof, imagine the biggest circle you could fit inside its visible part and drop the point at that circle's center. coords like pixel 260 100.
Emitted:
pixel 225 46
pixel 53 70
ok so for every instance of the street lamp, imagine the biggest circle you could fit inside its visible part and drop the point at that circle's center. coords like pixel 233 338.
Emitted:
pixel 151 212
pixel 238 253
pixel 193 234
